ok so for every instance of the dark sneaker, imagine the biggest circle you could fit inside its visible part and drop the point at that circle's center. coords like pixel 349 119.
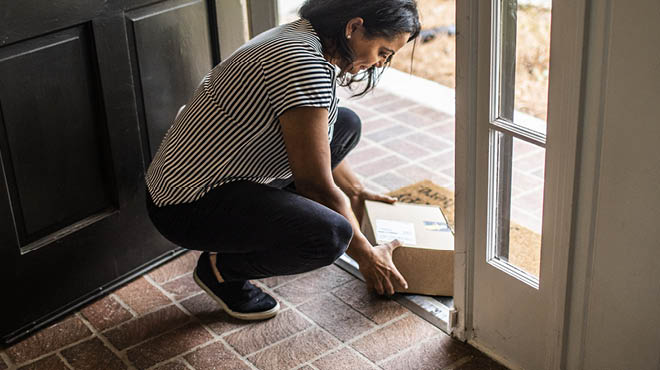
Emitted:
pixel 240 299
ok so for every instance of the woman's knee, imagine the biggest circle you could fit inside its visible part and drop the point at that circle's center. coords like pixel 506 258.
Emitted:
pixel 338 233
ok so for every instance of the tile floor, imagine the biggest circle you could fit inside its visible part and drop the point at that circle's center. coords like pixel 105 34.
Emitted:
pixel 163 321
pixel 328 319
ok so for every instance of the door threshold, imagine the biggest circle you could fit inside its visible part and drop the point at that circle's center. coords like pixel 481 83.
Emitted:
pixel 437 310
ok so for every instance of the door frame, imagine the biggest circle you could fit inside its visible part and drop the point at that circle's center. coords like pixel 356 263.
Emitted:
pixel 564 117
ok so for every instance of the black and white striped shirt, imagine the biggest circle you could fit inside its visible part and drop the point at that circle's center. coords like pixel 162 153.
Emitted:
pixel 230 129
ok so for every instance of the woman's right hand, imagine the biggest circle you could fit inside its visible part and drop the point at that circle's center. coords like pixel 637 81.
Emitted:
pixel 379 270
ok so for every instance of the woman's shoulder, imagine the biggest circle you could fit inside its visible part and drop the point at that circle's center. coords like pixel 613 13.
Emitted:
pixel 296 38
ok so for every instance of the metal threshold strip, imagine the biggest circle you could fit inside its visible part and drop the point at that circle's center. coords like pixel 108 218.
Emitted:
pixel 437 310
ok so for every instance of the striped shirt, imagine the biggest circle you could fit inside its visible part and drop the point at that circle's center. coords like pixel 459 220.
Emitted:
pixel 230 129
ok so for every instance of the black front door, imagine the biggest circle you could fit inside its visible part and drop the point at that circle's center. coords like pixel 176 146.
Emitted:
pixel 87 91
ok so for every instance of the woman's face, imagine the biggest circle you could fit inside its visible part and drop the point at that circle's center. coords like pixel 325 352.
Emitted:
pixel 370 52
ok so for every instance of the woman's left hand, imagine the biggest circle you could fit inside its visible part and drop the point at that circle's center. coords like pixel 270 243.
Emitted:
pixel 357 202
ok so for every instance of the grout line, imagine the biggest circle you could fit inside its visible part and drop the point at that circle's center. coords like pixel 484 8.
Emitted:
pixel 150 338
pixel 186 363
pixel 126 306
pixel 342 343
pixel 122 355
pixel 64 360
pixel 217 337
pixel 53 352
pixel 409 349
pixel 284 283
pixel 264 349
pixel 10 364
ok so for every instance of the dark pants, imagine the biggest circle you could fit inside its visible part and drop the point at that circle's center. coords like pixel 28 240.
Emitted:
pixel 263 230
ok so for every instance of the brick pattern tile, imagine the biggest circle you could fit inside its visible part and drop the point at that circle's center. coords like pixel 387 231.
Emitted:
pixel 413 119
pixel 215 356
pixel 394 337
pixel 205 309
pixel 365 155
pixel 275 281
pixel 394 105
pixel 389 133
pixel 439 352
pixel 375 98
pixel 92 355
pixel 377 308
pixel 429 142
pixel 173 365
pixel 263 333
pixel 391 181
pixel 444 130
pixel 51 362
pixel 182 287
pixel 435 115
pixel 415 173
pixel 314 283
pixel 379 166
pixel 54 337
pixel 406 148
pixel 182 265
pixel 344 359
pixel 335 316
pixel 168 345
pixel 106 313
pixel 295 350
pixel 146 327
pixel 376 123
pixel 141 296
pixel 441 161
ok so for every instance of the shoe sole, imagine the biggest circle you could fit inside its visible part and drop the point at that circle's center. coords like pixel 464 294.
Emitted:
pixel 239 315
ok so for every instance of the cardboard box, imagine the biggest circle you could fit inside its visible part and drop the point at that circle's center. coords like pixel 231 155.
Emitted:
pixel 426 255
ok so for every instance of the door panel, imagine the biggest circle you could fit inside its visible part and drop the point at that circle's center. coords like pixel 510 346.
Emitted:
pixel 54 184
pixel 173 52
pixel 86 94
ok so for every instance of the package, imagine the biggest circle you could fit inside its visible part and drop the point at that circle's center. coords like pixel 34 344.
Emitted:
pixel 426 255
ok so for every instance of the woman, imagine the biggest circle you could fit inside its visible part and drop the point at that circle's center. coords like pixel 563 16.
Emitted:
pixel 251 171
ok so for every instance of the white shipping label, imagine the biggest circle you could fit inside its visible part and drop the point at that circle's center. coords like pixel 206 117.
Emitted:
pixel 388 230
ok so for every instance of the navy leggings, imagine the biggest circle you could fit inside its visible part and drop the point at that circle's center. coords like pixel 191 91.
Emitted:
pixel 263 230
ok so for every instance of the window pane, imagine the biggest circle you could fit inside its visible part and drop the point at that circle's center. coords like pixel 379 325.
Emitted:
pixel 516 202
pixel 522 48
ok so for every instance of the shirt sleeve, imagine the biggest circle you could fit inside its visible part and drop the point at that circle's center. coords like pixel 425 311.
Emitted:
pixel 299 80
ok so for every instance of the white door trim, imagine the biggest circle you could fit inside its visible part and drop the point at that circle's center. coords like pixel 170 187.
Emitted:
pixel 467 27
pixel 564 116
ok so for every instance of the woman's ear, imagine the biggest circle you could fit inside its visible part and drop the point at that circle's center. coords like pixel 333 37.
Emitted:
pixel 353 26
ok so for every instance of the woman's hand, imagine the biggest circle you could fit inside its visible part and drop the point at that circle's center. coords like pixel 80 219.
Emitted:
pixel 379 270
pixel 357 201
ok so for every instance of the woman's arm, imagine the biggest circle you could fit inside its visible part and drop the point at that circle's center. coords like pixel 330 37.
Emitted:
pixel 353 188
pixel 305 136
pixel 347 180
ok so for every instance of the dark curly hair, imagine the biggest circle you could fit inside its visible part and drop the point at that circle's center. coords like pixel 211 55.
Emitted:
pixel 382 18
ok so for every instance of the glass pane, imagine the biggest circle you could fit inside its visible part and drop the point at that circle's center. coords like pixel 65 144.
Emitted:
pixel 516 202
pixel 522 44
